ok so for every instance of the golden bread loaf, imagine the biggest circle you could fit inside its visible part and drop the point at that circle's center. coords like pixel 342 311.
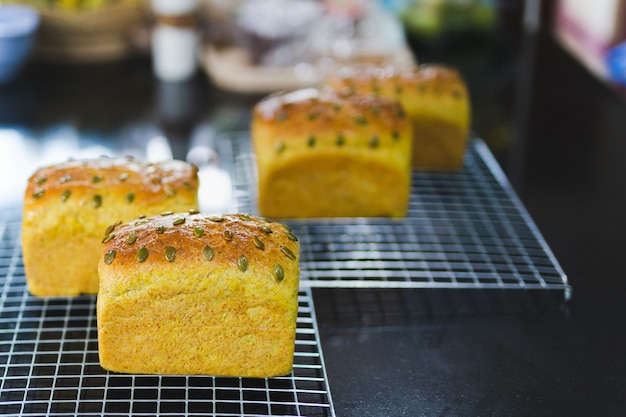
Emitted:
pixel 434 96
pixel 189 293
pixel 322 154
pixel 68 207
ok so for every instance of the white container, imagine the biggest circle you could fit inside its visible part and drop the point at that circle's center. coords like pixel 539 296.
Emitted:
pixel 174 39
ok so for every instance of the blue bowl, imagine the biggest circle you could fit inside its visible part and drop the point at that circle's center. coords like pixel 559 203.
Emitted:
pixel 18 25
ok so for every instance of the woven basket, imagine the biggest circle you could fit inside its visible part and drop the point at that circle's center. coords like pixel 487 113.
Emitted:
pixel 92 35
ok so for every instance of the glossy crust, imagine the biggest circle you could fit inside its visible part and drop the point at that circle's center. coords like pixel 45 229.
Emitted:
pixel 68 206
pixel 322 154
pixel 435 98
pixel 169 305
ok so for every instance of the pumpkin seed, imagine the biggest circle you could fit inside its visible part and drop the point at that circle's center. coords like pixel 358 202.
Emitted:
pixel 142 254
pixel 110 229
pixel 361 120
pixel 340 140
pixel 141 221
pixel 130 197
pixel 374 142
pixel 97 200
pixel 38 193
pixel 40 180
pixel 208 253
pixel 245 216
pixel 265 229
pixel 65 178
pixel 65 195
pixel 279 272
pixel 194 211
pixel 311 141
pixel 258 243
pixel 132 238
pixel 228 235
pixel 217 218
pixel 167 213
pixel 242 263
pixel 198 231
pixel 109 257
pixel 288 253
pixel 123 176
pixel 108 237
pixel 170 253
pixel 179 220
pixel 280 147
pixel 291 236
pixel 160 229
pixel 395 135
pixel 97 178
pixel 169 190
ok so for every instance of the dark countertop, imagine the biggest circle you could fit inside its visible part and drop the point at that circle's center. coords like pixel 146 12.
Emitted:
pixel 558 133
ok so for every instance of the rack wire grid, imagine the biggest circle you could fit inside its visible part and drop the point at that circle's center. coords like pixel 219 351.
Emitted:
pixel 49 362
pixel 465 229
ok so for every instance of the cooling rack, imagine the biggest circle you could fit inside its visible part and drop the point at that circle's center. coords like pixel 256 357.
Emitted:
pixel 463 230
pixel 49 362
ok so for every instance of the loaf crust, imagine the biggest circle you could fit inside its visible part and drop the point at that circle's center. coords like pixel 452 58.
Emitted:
pixel 434 96
pixel 68 206
pixel 169 305
pixel 323 154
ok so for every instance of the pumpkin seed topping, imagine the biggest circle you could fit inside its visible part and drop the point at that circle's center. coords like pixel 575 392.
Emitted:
pixel 109 257
pixel 313 116
pixel 160 229
pixel 288 253
pixel 132 238
pixel 216 218
pixel 258 243
pixel 108 237
pixel 123 176
pixel 245 216
pixel 38 193
pixel 311 141
pixel 130 197
pixel 65 178
pixel 179 220
pixel 167 213
pixel 398 89
pixel 97 178
pixel 242 263
pixel 141 221
pixel 194 211
pixel 170 253
pixel 280 147
pixel 65 195
pixel 142 216
pixel 198 231
pixel 361 120
pixel 208 253
pixel 142 254
pixel 374 142
pixel 340 140
pixel 266 229
pixel 291 236
pixel 40 180
pixel 97 200
pixel 169 190
pixel 110 229
pixel 279 272
pixel 228 235
pixel 395 135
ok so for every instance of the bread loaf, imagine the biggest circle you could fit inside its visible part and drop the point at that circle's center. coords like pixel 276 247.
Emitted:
pixel 68 207
pixel 435 98
pixel 321 154
pixel 188 293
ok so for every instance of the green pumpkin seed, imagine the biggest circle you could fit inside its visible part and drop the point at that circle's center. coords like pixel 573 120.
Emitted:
pixel 208 253
pixel 398 89
pixel 340 140
pixel 97 178
pixel 245 216
pixel 179 220
pixel 395 135
pixel 167 213
pixel 109 257
pixel 123 176
pixel 142 216
pixel 265 229
pixel 160 229
pixel 97 200
pixel 217 218
pixel 38 193
pixel 169 190
pixel 130 197
pixel 291 236
pixel 170 253
pixel 187 184
pixel 132 238
pixel 142 254
pixel 65 178
pixel 110 229
pixel 279 272
pixel 108 237
pixel 198 231
pixel 65 195
pixel 258 243
pixel 194 211
pixel 141 221
pixel 280 147
pixel 242 263
pixel 40 180
pixel 228 235
pixel 361 120
pixel 288 253
pixel 374 142
pixel 311 141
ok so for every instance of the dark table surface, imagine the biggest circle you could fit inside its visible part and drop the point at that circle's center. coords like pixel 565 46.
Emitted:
pixel 560 136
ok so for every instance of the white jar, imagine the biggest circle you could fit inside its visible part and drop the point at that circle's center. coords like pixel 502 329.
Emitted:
pixel 175 39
